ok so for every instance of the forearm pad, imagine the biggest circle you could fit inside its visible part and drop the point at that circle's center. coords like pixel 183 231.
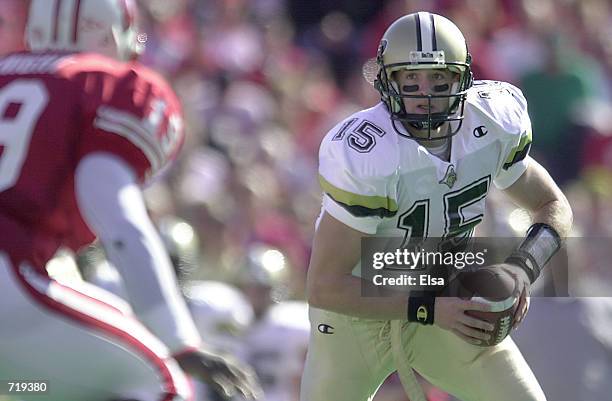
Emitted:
pixel 541 243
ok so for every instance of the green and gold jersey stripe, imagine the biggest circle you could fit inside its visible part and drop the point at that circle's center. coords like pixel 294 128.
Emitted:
pixel 520 151
pixel 360 205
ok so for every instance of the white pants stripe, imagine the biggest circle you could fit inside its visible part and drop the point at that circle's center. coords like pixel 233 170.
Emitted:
pixel 84 346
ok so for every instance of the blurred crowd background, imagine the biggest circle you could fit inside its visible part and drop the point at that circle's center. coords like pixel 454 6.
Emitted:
pixel 262 81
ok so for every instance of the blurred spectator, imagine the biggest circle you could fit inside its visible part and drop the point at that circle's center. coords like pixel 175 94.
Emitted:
pixel 553 92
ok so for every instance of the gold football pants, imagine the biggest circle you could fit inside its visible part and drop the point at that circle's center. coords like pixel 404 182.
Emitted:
pixel 349 358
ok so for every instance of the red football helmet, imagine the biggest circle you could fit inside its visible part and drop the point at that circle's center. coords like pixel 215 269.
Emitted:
pixel 101 26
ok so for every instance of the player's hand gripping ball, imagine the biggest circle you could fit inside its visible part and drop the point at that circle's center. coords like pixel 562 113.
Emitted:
pixel 495 287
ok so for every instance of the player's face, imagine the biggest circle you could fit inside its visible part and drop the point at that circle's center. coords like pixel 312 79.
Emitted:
pixel 423 83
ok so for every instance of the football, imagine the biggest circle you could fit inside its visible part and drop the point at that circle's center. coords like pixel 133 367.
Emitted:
pixel 493 286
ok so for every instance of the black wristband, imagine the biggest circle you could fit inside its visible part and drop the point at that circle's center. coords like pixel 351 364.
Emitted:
pixel 541 243
pixel 421 307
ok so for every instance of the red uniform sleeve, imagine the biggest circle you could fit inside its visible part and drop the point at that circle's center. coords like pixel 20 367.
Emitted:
pixel 129 111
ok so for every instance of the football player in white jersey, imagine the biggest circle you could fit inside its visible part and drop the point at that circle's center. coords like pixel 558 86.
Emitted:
pixel 418 165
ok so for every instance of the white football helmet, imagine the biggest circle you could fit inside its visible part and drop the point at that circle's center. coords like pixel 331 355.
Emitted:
pixel 101 26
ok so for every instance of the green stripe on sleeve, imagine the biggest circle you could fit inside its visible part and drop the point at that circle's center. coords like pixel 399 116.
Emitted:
pixel 360 205
pixel 520 151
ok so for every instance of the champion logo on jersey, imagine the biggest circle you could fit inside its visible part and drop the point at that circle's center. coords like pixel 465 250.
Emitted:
pixel 450 177
pixel 325 328
pixel 481 131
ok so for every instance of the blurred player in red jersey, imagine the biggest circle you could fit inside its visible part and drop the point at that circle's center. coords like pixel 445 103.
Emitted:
pixel 79 134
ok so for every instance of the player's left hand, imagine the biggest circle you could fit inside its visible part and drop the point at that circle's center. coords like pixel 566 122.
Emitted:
pixel 523 288
pixel 226 376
